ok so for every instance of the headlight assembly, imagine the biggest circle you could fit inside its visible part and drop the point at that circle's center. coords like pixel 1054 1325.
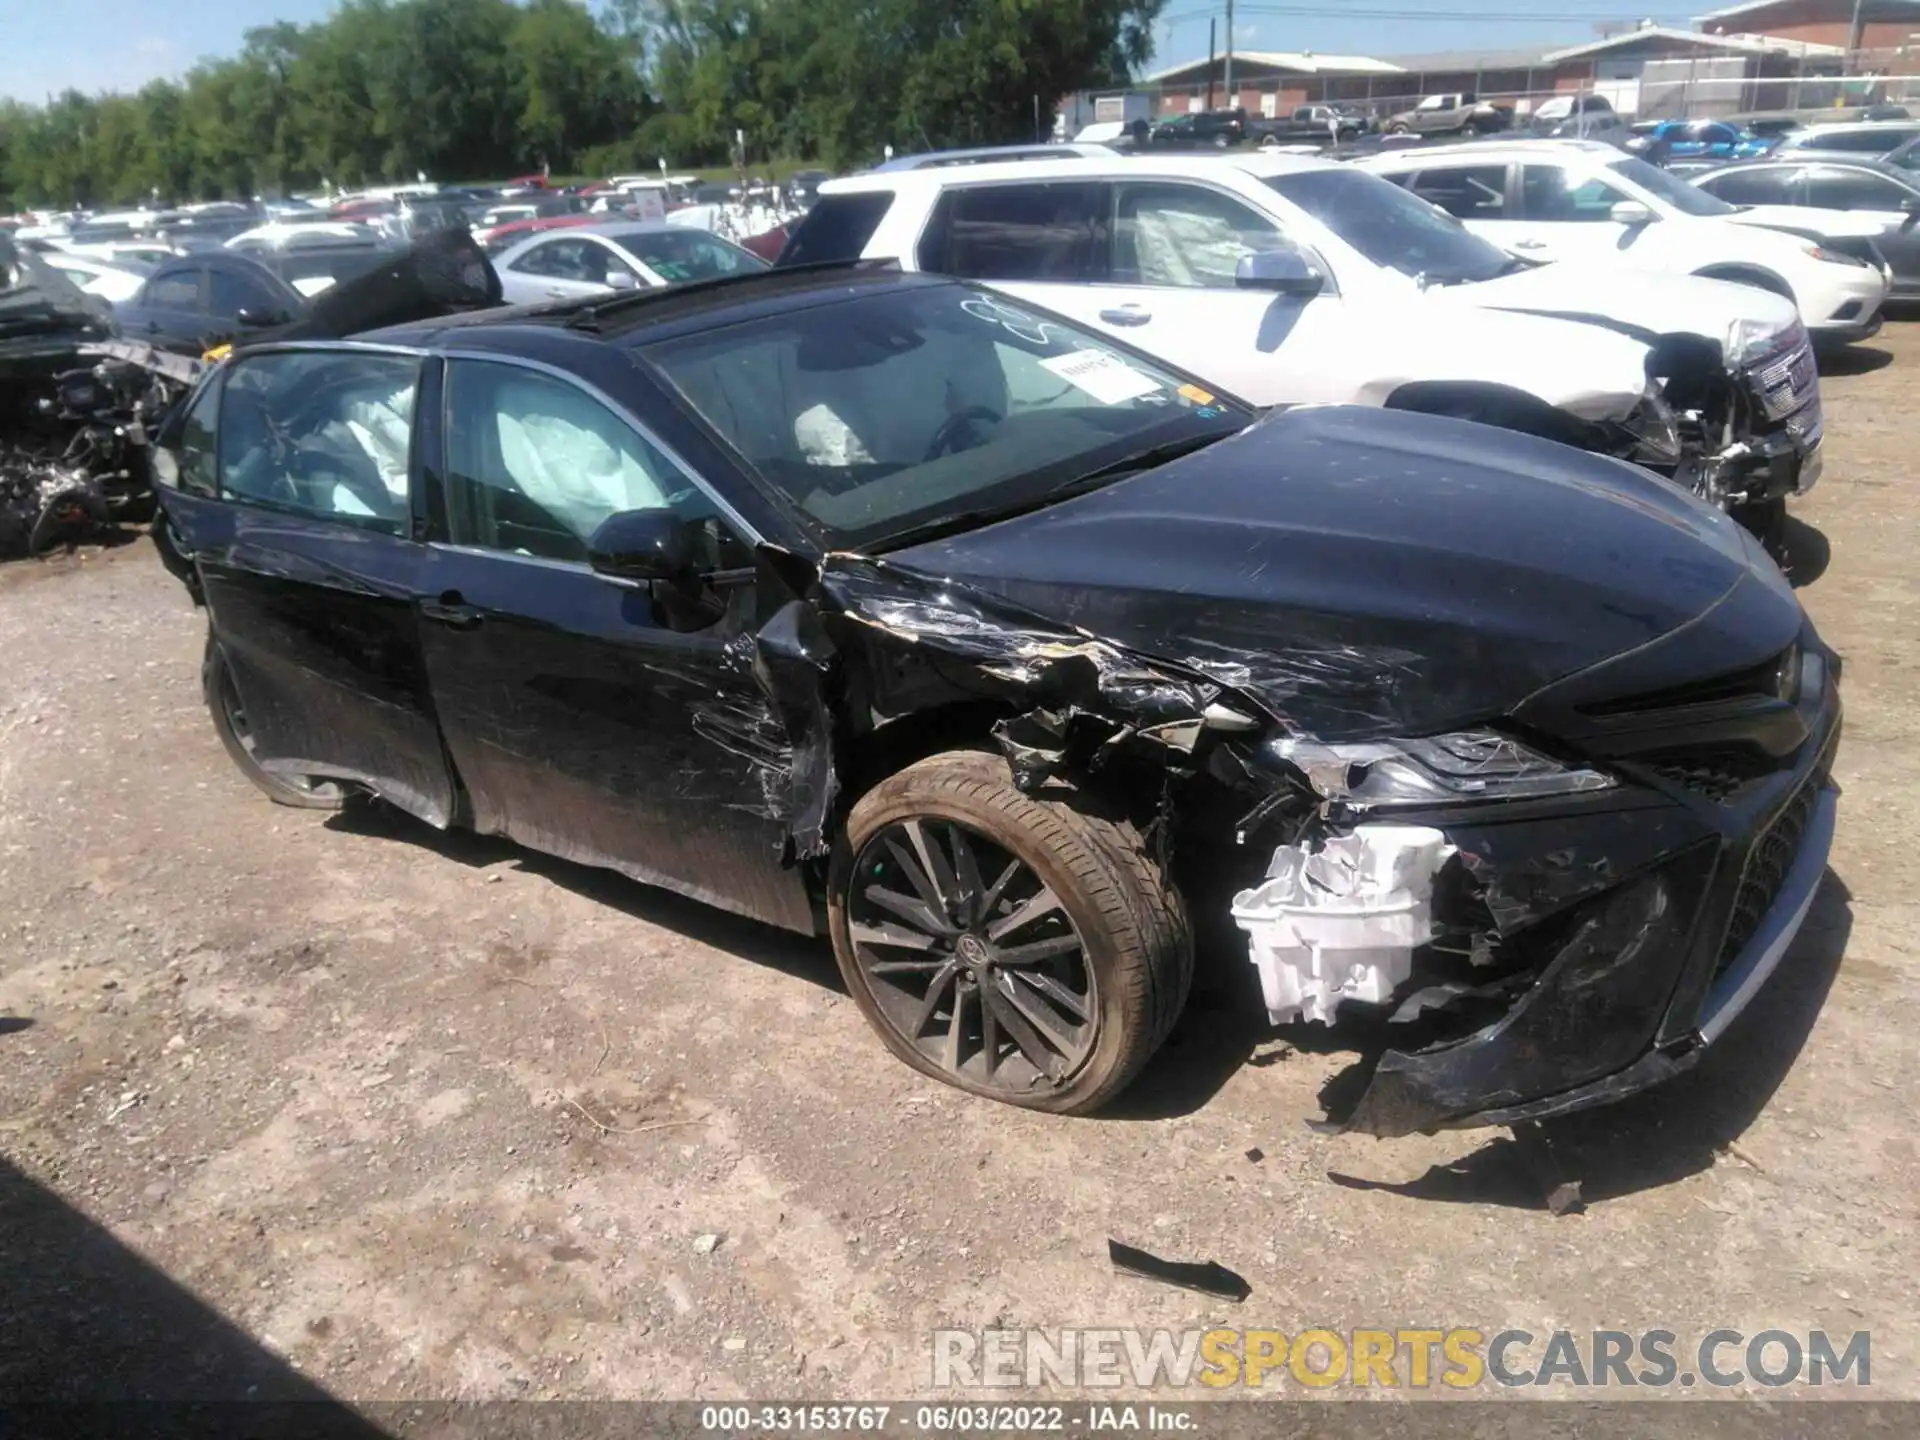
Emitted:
pixel 1750 340
pixel 1461 768
pixel 1835 257
pixel 1655 430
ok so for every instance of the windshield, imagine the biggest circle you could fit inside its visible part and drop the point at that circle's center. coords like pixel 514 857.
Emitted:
pixel 908 409
pixel 1392 228
pixel 688 254
pixel 1687 199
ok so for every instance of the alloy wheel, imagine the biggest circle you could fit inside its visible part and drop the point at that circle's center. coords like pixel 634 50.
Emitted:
pixel 971 958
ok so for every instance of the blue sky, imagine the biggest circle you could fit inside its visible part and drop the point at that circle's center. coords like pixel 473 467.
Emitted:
pixel 121 44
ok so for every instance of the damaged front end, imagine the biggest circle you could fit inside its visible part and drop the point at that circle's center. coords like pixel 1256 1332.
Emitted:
pixel 1540 936
pixel 77 410
pixel 1745 415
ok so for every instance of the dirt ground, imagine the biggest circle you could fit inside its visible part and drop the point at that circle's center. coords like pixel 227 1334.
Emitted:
pixel 288 1099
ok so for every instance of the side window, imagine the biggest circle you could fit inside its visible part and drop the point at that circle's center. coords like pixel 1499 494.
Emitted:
pixel 1753 187
pixel 1857 142
pixel 1467 192
pixel 322 433
pixel 836 229
pixel 1187 235
pixel 1853 190
pixel 559 260
pixel 199 460
pixel 175 290
pixel 233 293
pixel 1033 231
pixel 1553 194
pixel 534 464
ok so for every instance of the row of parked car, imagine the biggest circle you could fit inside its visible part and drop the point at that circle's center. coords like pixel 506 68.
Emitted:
pixel 993 587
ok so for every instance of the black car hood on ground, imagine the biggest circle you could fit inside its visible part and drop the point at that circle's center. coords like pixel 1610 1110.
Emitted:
pixel 1365 572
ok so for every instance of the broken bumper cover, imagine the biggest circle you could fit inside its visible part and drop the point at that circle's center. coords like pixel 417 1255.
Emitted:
pixel 1639 977
pixel 1787 458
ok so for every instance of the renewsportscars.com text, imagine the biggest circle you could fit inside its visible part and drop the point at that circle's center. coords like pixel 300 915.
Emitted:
pixel 1402 1358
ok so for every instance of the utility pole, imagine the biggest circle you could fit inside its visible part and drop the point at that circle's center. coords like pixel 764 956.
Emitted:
pixel 1851 64
pixel 1213 27
pixel 1230 89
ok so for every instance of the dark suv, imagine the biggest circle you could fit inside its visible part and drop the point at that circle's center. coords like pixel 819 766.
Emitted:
pixel 1220 129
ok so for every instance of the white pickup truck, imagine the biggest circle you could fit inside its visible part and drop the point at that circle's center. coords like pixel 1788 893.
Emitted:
pixel 1291 281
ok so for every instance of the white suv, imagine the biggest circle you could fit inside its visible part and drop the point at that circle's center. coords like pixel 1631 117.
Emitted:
pixel 1579 200
pixel 1288 280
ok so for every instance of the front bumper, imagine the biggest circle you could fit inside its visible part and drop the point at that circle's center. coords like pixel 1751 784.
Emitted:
pixel 1781 454
pixel 1656 922
pixel 1851 311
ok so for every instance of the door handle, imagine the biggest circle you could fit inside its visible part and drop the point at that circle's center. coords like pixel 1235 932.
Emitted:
pixel 1529 244
pixel 1126 315
pixel 452 611
pixel 558 294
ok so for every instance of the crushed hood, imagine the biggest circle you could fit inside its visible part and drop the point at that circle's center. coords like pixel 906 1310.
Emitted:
pixel 1364 572
pixel 1646 301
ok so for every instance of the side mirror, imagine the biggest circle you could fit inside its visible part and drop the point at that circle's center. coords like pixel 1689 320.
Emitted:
pixel 622 280
pixel 642 545
pixel 1630 212
pixel 252 317
pixel 1284 272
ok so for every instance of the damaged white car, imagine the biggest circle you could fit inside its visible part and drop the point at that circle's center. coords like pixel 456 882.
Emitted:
pixel 1021 665
pixel 1292 280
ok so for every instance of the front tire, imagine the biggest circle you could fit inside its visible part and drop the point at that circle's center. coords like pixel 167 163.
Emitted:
pixel 230 723
pixel 1766 521
pixel 1022 948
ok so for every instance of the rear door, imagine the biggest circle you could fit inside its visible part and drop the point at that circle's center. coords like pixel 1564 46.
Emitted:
pixel 609 723
pixel 171 310
pixel 309 570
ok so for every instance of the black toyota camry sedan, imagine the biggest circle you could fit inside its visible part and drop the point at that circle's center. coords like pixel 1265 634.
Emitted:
pixel 880 607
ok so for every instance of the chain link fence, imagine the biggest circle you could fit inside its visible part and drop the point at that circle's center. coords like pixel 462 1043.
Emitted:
pixel 1777 82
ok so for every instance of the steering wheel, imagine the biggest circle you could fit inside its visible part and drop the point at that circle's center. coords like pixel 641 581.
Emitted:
pixel 956 425
pixel 317 469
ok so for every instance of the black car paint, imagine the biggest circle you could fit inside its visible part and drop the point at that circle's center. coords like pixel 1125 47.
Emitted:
pixel 195 330
pixel 1264 555
pixel 1095 639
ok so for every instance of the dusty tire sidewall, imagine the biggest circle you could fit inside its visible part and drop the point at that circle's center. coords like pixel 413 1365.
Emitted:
pixel 904 796
pixel 213 677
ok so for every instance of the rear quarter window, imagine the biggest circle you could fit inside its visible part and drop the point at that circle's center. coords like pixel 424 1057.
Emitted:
pixel 836 229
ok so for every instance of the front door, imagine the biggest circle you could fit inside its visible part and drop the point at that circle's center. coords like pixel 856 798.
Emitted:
pixel 592 719
pixel 309 571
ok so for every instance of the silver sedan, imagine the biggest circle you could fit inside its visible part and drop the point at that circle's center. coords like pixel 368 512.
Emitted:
pixel 581 261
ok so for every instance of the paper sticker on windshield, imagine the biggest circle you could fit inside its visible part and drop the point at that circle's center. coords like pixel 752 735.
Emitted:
pixel 1109 380
pixel 1196 394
